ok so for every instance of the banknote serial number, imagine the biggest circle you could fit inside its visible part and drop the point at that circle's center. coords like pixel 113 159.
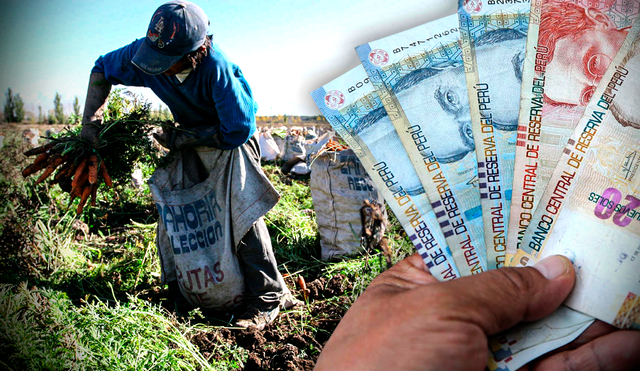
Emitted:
pixel 435 36
pixel 609 204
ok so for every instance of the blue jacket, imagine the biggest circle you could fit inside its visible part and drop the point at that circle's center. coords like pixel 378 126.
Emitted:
pixel 215 99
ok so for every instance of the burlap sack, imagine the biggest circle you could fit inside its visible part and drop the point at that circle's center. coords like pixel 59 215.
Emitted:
pixel 207 200
pixel 339 185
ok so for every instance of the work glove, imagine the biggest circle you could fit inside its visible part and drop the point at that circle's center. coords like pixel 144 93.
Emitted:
pixel 177 139
pixel 90 131
pixel 164 137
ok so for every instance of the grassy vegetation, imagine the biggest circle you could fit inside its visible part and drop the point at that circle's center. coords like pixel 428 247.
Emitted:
pixel 83 293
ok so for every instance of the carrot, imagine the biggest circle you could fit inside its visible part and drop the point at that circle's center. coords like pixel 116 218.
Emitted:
pixel 51 167
pixel 65 172
pixel 75 192
pixel 94 191
pixel 71 170
pixel 93 169
pixel 45 174
pixel 32 169
pixel 42 158
pixel 79 172
pixel 105 175
pixel 303 287
pixel 39 150
pixel 81 181
pixel 62 171
pixel 83 200
pixel 38 164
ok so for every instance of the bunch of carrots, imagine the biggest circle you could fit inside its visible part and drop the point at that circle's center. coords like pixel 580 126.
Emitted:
pixel 79 166
pixel 79 169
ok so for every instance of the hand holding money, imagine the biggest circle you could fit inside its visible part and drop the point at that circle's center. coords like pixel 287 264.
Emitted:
pixel 410 109
pixel 408 320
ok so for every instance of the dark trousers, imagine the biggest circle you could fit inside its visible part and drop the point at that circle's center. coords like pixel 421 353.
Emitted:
pixel 264 285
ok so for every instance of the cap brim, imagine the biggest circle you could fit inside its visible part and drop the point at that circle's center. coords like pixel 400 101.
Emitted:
pixel 151 61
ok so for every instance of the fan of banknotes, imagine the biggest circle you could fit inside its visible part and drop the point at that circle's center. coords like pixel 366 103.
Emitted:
pixel 504 134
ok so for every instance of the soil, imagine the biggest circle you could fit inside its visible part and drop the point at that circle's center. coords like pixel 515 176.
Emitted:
pixel 294 340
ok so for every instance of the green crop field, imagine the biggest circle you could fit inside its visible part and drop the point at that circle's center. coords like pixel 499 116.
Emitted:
pixel 83 292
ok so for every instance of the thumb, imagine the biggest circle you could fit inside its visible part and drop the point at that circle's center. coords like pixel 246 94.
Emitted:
pixel 498 299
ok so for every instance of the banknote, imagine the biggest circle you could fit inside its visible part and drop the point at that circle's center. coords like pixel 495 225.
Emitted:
pixel 492 37
pixel 353 108
pixel 523 202
pixel 590 210
pixel 419 78
pixel 528 341
pixel 569 47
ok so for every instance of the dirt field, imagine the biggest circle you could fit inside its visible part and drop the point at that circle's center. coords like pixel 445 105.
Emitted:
pixel 90 284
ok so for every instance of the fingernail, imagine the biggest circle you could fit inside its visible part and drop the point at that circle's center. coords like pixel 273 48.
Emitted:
pixel 552 267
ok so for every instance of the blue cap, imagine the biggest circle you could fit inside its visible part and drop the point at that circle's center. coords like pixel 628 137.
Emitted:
pixel 176 28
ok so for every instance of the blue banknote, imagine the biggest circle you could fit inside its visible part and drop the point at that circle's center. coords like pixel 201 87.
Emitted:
pixel 419 77
pixel 493 35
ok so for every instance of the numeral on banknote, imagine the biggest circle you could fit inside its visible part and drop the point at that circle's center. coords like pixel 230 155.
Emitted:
pixel 609 203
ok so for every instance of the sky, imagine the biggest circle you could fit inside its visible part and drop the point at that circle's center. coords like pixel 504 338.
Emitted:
pixel 285 48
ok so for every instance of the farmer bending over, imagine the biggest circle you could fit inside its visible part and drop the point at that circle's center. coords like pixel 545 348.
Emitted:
pixel 213 195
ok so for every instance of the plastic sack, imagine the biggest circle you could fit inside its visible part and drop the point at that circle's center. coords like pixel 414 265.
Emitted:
pixel 268 147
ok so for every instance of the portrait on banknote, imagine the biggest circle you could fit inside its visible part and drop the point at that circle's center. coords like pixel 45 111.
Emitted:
pixel 422 86
pixel 356 115
pixel 586 38
pixel 500 53
pixel 382 140
pixel 575 44
pixel 435 97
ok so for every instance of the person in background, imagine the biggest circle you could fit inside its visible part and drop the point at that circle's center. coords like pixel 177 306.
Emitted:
pixel 212 102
